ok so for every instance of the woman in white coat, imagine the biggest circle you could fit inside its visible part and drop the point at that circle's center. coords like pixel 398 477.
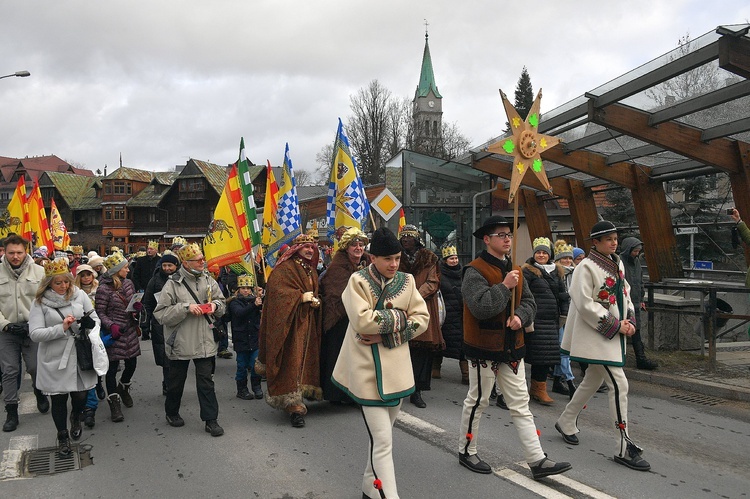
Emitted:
pixel 60 311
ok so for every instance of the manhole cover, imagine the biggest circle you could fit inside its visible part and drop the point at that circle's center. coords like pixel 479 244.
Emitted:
pixel 42 462
pixel 698 399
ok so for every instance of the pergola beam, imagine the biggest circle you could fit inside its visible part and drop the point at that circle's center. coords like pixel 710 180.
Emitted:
pixel 590 140
pixel 636 152
pixel 495 165
pixel 673 136
pixel 593 164
pixel 734 54
pixel 700 103
pixel 726 129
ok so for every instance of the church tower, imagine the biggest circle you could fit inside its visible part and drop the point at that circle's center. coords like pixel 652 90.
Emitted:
pixel 427 109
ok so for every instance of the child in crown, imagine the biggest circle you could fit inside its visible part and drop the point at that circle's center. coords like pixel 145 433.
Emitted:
pixel 244 309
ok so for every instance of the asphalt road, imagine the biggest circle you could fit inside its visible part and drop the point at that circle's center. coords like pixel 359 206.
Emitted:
pixel 696 449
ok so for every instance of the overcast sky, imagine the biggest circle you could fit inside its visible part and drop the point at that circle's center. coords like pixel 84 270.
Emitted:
pixel 161 81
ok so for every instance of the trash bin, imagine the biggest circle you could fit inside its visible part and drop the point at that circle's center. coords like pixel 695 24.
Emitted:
pixel 724 308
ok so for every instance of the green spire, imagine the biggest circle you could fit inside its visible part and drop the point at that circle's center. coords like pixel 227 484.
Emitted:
pixel 427 77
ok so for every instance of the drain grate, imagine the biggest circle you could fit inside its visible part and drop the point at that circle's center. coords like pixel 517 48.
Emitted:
pixel 43 462
pixel 698 399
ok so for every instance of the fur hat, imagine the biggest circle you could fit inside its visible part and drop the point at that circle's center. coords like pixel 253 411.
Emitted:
pixel 491 223
pixel 384 243
pixel 114 263
pixel 602 229
pixel 542 244
pixel 449 250
pixel 59 266
pixel 245 281
pixel 189 252
pixel 84 268
pixel 351 236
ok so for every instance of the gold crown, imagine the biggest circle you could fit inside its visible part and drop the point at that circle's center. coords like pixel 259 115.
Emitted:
pixel 58 266
pixel 114 260
pixel 77 250
pixel 245 281
pixel 140 254
pixel 352 235
pixel 179 240
pixel 189 252
pixel 449 250
pixel 153 245
pixel 114 249
pixel 303 239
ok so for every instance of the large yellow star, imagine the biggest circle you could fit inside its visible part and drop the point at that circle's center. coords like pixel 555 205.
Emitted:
pixel 525 145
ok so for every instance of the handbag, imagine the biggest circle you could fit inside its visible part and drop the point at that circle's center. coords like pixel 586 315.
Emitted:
pixel 441 307
pixel 216 326
pixel 84 348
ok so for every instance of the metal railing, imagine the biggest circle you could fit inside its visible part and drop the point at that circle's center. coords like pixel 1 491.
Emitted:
pixel 709 312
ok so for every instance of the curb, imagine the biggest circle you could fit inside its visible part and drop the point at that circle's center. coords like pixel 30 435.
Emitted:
pixel 702 387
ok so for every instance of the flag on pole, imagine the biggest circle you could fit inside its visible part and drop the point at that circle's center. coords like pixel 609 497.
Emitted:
pixel 247 194
pixel 18 209
pixel 38 219
pixel 272 233
pixel 346 204
pixel 228 238
pixel 286 224
pixel 60 235
pixel 401 219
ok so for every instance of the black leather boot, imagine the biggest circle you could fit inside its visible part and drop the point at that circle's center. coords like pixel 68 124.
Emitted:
pixel 42 402
pixel 75 426
pixel 572 387
pixel 63 444
pixel 11 422
pixel 242 391
pixel 559 387
pixel 416 399
pixel 257 389
pixel 641 362
pixel 114 407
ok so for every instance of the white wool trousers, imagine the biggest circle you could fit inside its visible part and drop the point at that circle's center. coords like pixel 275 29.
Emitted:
pixel 379 421
pixel 614 378
pixel 516 393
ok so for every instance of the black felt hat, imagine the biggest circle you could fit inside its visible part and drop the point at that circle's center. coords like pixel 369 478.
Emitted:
pixel 384 243
pixel 602 229
pixel 490 223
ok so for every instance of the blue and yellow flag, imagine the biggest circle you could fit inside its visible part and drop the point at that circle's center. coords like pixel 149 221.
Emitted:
pixel 346 204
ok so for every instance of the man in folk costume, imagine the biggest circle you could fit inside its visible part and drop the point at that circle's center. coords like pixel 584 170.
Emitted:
pixel 290 331
pixel 600 319
pixel 494 347
pixel 423 265
pixel 386 312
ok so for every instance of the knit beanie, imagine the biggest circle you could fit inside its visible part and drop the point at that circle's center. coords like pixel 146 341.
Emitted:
pixel 170 258
pixel 543 244
pixel 578 252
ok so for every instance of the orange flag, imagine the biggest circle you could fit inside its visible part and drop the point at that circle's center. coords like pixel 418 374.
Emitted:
pixel 59 231
pixel 401 219
pixel 18 210
pixel 38 219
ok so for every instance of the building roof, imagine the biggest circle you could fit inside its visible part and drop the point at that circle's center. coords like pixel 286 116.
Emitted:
pixel 216 175
pixel 88 199
pixel 125 173
pixel 37 165
pixel 427 76
pixel 71 187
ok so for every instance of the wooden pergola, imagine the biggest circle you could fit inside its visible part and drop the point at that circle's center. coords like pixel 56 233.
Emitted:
pixel 618 140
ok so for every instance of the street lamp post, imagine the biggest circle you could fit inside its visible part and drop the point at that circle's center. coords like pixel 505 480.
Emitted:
pixel 691 208
pixel 21 74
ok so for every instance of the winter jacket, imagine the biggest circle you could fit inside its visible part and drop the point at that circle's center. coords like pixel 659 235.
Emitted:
pixel 56 363
pixel 633 270
pixel 427 279
pixel 143 270
pixel 17 292
pixel 245 322
pixel 453 327
pixel 154 287
pixel 188 336
pixel 110 306
pixel 552 301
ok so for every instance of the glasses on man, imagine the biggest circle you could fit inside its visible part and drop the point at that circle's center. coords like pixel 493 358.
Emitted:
pixel 201 259
pixel 501 235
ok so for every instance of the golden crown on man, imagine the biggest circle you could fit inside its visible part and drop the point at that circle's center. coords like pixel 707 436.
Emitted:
pixel 58 266
pixel 153 245
pixel 189 252
pixel 303 239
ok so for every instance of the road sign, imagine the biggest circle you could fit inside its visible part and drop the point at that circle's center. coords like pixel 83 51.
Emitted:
pixel 685 230
pixel 703 265
pixel 386 204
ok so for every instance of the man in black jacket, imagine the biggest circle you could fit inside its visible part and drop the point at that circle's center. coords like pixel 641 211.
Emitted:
pixel 631 249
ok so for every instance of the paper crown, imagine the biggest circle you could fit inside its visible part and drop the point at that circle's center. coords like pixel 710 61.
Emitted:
pixel 153 245
pixel 114 262
pixel 189 252
pixel 179 240
pixel 57 266
pixel 114 249
pixel 69 249
pixel 77 250
pixel 304 239
pixel 449 250
pixel 351 236
pixel 245 281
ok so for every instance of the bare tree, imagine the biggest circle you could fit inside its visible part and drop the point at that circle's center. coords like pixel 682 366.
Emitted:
pixel 369 130
pixel 303 177
pixel 324 163
pixel 698 81
pixel 454 142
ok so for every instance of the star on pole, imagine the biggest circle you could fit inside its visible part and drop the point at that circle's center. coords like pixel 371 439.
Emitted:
pixel 525 145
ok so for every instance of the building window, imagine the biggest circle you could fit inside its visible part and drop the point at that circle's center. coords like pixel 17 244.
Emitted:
pixel 5 196
pixel 192 188
pixel 122 187
pixel 108 188
pixel 152 216
pixel 108 214
pixel 119 213
pixel 180 213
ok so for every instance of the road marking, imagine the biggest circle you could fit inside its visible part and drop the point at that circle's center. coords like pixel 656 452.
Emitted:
pixel 529 484
pixel 10 466
pixel 24 442
pixel 575 485
pixel 27 403
pixel 419 424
